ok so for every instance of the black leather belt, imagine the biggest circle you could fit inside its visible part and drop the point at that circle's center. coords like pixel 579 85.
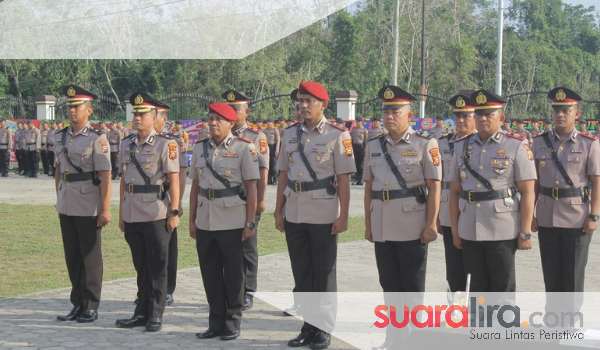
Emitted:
pixel 3 144
pixel 445 185
pixel 473 196
pixel 29 144
pixel 358 145
pixel 557 193
pixel 113 144
pixel 299 187
pixel 77 176
pixel 43 144
pixel 211 193
pixel 386 195
pixel 135 189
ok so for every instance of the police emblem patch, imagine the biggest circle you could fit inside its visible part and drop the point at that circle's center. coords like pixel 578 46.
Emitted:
pixel 347 147
pixel 263 146
pixel 104 146
pixel 172 150
pixel 435 155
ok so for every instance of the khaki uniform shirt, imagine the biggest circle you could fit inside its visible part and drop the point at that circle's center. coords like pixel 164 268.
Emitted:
pixel 535 133
pixel 6 141
pixel 88 149
pixel 44 139
pixel 580 156
pixel 328 149
pixel 281 129
pixel 447 143
pixel 124 132
pixel 17 143
pixel 502 160
pixel 417 158
pixel 51 139
pixel 236 160
pixel 525 133
pixel 260 142
pixel 158 156
pixel 359 136
pixel 272 135
pixel 183 162
pixel 114 140
pixel 438 131
pixel 33 141
pixel 374 132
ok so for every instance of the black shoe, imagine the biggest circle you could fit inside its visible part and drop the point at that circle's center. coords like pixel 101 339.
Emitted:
pixel 248 303
pixel 170 299
pixel 135 321
pixel 154 325
pixel 304 338
pixel 322 340
pixel 359 183
pixel 208 334
pixel 88 316
pixel 33 175
pixel 230 335
pixel 5 175
pixel 292 311
pixel 72 315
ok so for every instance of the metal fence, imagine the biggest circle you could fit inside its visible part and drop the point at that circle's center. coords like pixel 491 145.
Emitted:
pixel 12 107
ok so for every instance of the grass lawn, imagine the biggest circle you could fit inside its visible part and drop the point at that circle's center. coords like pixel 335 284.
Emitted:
pixel 32 256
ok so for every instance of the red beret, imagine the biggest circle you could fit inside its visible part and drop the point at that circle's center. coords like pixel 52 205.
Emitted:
pixel 315 89
pixel 224 110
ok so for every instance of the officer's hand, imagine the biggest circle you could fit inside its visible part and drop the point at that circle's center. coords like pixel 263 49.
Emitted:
pixel 261 207
pixel 438 225
pixel 247 233
pixel 428 235
pixel 457 241
pixel 369 235
pixel 276 154
pixel 590 226
pixel 103 219
pixel 524 244
pixel 192 227
pixel 180 210
pixel 172 223
pixel 279 222
pixel 534 225
pixel 121 224
pixel 339 225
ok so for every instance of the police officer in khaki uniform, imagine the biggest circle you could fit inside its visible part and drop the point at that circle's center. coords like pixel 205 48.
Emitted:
pixel 240 103
pixel 6 144
pixel 489 221
pixel 222 212
pixel 124 131
pixel 33 143
pixel 203 131
pixel 50 147
pixel 568 196
pixel 83 190
pixel 507 125
pixel 522 132
pixel 281 127
pixel 18 149
pixel 535 127
pixel 402 199
pixel 359 135
pixel 548 124
pixel 114 140
pixel 273 140
pixel 376 129
pixel 148 210
pixel 438 129
pixel 464 124
pixel 44 146
pixel 313 196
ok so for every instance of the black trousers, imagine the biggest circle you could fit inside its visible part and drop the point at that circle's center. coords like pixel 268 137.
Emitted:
pixel 4 159
pixel 491 265
pixel 220 257
pixel 455 268
pixel 149 244
pixel 83 254
pixel 313 255
pixel 251 262
pixel 114 162
pixel 44 156
pixel 20 154
pixel 272 160
pixel 401 265
pixel 33 162
pixel 359 156
pixel 51 162
pixel 172 263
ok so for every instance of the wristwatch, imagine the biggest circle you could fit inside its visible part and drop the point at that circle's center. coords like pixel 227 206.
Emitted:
pixel 175 212
pixel 525 236
pixel 251 225
pixel 594 217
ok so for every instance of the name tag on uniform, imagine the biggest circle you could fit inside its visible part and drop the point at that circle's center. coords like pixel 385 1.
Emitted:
pixel 576 151
pixel 447 151
pixel 294 141
pixel 201 155
pixel 320 144
pixel 546 149
pixel 375 154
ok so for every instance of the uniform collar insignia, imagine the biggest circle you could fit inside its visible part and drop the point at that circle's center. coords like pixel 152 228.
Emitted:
pixel 497 136
pixel 228 141
pixel 150 140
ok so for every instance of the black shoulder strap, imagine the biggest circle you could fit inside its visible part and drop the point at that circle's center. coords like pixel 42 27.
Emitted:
pixel 137 164
pixel 302 155
pixel 559 165
pixel 466 159
pixel 223 180
pixel 390 162
pixel 451 144
pixel 64 146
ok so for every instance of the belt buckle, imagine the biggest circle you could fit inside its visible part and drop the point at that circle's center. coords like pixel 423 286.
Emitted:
pixel 555 193
pixel 385 196
pixel 64 177
pixel 470 197
pixel 298 187
pixel 211 193
pixel 130 189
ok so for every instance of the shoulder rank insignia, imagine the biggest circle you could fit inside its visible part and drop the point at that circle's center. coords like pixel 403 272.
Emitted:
pixel 244 139
pixel 515 136
pixel 343 128
pixel 292 125
pixel 448 135
pixel 166 136
pixel 129 136
pixel 589 136
pixel 61 130
pixel 418 133
pixel 202 140
pixel 256 131
pixel 376 137
pixel 96 131
pixel 541 134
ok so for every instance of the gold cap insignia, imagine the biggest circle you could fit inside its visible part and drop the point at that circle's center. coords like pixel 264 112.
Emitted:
pixel 388 94
pixel 460 103
pixel 560 95
pixel 298 95
pixel 71 91
pixel 139 100
pixel 231 96
pixel 481 99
